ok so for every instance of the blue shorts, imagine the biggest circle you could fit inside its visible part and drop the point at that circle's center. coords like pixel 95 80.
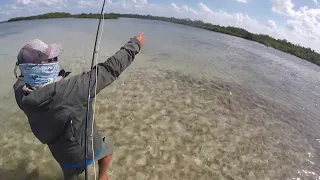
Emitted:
pixel 76 171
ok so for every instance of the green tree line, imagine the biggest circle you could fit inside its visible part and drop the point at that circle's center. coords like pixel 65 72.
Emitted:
pixel 280 44
pixel 43 16
pixel 65 15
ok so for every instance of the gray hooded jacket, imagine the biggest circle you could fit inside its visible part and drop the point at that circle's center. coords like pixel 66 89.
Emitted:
pixel 57 112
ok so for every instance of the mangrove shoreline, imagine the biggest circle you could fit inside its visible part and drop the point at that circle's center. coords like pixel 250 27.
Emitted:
pixel 282 45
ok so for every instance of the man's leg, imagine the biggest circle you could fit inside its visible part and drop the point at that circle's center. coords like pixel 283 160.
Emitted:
pixel 73 174
pixel 104 159
pixel 103 167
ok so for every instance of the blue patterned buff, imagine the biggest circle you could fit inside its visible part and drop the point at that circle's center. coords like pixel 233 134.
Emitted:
pixel 37 75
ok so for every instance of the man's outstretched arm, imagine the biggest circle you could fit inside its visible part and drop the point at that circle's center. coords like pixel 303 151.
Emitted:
pixel 111 69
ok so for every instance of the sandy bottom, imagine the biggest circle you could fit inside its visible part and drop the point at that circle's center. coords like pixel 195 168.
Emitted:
pixel 168 125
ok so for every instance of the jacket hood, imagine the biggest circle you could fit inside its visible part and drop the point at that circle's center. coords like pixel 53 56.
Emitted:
pixel 40 97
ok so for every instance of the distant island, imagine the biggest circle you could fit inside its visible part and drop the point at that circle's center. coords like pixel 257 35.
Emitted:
pixel 282 45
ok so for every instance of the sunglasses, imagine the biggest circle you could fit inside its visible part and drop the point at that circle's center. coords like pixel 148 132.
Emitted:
pixel 52 60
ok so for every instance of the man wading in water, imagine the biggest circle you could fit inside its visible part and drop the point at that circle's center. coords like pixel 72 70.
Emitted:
pixel 56 107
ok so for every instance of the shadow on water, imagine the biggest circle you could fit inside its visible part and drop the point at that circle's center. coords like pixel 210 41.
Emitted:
pixel 20 172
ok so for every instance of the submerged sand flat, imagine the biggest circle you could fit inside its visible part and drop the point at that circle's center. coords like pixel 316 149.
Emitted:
pixel 168 125
pixel 171 118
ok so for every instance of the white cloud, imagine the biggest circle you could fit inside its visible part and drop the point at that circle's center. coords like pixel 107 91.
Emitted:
pixel 84 3
pixel 304 22
pixel 42 2
pixel 315 1
pixel 302 25
pixel 174 7
pixel 187 9
pixel 182 9
pixel 30 7
pixel 204 8
pixel 23 2
pixel 140 1
pixel 138 7
pixel 91 3
pixel 271 24
pixel 283 7
pixel 9 9
pixel 129 4
pixel 242 1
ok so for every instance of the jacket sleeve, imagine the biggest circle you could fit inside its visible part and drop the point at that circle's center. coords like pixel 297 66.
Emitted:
pixel 111 69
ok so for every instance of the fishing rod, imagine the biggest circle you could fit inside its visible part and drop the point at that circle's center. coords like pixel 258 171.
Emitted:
pixel 89 94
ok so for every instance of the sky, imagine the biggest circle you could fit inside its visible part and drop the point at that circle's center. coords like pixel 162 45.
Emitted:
pixel 298 21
